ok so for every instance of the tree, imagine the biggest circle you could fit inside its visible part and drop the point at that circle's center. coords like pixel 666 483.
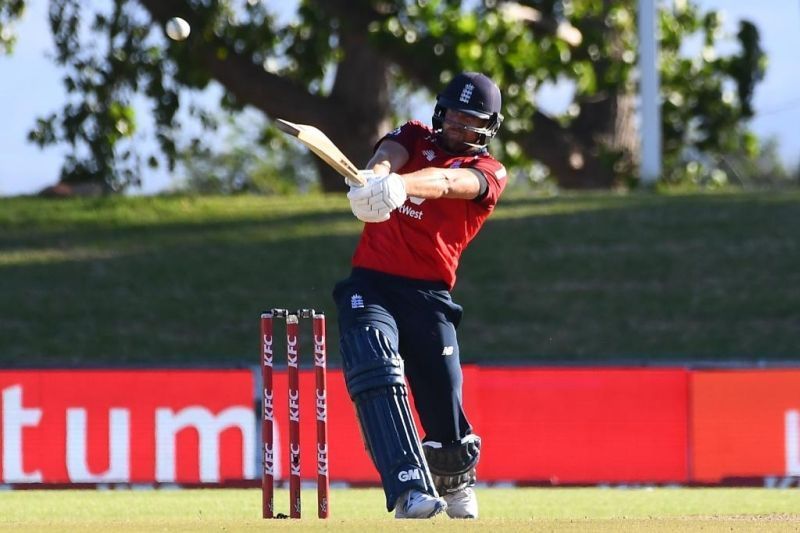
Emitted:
pixel 247 163
pixel 337 63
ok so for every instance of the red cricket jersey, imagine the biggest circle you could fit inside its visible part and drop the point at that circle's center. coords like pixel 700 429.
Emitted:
pixel 423 239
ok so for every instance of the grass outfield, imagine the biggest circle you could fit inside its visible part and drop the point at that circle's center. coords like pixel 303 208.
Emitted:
pixel 561 509
pixel 639 278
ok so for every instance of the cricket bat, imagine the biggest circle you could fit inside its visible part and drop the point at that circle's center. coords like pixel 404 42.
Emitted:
pixel 320 144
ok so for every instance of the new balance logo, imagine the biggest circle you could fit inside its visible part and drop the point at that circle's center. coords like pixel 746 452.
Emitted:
pixel 356 301
pixel 466 93
pixel 448 350
pixel 408 475
pixel 429 154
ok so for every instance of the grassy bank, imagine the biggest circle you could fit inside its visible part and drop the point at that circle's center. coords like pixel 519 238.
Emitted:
pixel 585 278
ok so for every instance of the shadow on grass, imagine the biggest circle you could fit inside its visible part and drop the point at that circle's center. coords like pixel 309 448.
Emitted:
pixel 276 228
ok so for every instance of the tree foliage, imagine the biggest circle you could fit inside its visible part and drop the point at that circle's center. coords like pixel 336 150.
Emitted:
pixel 10 10
pixel 252 161
pixel 336 64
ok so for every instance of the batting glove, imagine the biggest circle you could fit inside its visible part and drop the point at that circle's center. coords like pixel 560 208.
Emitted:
pixel 359 196
pixel 375 201
pixel 362 210
pixel 387 193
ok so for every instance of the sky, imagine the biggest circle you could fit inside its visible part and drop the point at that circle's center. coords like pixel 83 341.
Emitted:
pixel 30 87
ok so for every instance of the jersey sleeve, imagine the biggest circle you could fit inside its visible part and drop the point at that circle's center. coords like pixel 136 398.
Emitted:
pixel 407 135
pixel 496 180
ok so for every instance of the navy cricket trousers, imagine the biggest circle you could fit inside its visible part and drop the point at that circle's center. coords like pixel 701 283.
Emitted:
pixel 420 320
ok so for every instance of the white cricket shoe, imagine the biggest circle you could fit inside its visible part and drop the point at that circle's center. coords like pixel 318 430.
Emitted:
pixel 416 504
pixel 462 503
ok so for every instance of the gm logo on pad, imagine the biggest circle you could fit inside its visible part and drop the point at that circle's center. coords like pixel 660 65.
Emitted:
pixel 408 475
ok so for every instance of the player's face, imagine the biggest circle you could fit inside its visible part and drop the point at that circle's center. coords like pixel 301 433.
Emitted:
pixel 456 132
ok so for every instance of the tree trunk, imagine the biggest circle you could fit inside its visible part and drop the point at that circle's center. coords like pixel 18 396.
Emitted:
pixel 354 115
pixel 607 124
pixel 361 112
pixel 600 144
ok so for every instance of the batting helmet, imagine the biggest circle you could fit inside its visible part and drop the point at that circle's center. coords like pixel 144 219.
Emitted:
pixel 474 94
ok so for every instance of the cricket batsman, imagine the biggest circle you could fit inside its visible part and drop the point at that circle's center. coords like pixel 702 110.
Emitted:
pixel 428 192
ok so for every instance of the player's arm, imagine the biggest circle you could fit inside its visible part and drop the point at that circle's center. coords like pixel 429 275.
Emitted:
pixel 432 182
pixel 428 183
pixel 389 157
pixel 375 201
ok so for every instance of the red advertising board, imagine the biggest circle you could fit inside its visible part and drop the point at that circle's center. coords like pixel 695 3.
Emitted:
pixel 584 425
pixel 745 423
pixel 66 426
pixel 552 426
pixel 557 426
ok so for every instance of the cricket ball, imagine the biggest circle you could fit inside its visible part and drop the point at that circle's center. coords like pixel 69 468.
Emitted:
pixel 178 29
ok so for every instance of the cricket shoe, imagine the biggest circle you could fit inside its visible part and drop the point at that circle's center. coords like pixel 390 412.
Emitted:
pixel 416 504
pixel 462 503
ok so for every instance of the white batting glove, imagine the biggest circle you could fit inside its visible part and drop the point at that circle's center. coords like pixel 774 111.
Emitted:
pixel 387 193
pixel 359 199
pixel 362 210
pixel 375 201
